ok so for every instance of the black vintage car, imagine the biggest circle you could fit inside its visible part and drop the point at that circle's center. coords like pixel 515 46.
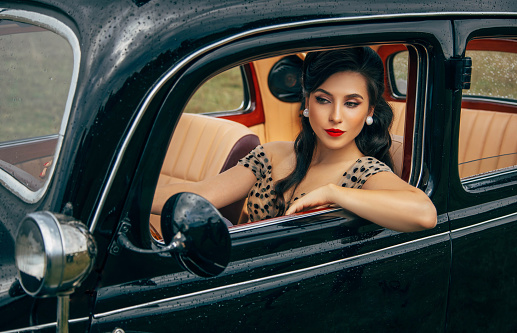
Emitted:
pixel 100 101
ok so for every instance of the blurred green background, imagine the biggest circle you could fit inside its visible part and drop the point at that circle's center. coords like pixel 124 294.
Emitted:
pixel 35 75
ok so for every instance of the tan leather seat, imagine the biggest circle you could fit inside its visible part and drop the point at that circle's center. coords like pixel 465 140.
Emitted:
pixel 204 146
pixel 397 153
pixel 399 118
pixel 397 136
pixel 488 141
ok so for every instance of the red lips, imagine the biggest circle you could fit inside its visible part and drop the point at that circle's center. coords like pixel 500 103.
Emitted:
pixel 334 132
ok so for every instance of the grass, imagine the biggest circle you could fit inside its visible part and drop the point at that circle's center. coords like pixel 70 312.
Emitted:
pixel 35 74
pixel 494 74
pixel 224 92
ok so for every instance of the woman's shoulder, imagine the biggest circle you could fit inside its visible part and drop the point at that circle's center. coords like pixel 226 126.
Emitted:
pixel 369 163
pixel 362 170
pixel 276 150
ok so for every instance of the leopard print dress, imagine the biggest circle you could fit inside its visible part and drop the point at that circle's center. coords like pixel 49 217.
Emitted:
pixel 261 196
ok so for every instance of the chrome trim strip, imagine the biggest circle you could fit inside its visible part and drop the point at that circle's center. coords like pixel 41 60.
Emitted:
pixel 64 31
pixel 488 99
pixel 418 110
pixel 485 224
pixel 488 175
pixel 281 275
pixel 206 49
pixel 42 326
pixel 278 220
pixel 424 115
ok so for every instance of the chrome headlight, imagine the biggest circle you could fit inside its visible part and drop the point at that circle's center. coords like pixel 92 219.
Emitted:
pixel 54 253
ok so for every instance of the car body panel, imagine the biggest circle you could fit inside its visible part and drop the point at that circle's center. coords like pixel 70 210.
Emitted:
pixel 483 222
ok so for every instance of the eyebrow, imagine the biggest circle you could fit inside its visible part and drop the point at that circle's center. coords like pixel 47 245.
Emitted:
pixel 348 96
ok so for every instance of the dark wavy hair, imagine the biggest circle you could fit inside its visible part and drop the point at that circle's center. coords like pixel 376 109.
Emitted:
pixel 373 140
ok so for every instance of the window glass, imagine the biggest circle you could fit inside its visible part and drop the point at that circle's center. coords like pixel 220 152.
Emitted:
pixel 400 70
pixel 35 76
pixel 494 74
pixel 487 128
pixel 223 92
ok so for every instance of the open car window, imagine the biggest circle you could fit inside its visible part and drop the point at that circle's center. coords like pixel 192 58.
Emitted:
pixel 202 144
pixel 488 124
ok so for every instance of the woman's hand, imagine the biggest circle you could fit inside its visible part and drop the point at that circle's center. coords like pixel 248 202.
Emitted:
pixel 318 198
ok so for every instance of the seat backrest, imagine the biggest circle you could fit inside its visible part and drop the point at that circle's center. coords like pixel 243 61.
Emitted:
pixel 399 118
pixel 204 146
pixel 488 141
pixel 397 153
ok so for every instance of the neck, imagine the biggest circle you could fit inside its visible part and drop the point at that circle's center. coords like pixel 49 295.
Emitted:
pixel 324 155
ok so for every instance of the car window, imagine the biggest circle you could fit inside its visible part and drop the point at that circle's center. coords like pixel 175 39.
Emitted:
pixel 223 92
pixel 494 74
pixel 35 84
pixel 398 72
pixel 488 123
pixel 202 146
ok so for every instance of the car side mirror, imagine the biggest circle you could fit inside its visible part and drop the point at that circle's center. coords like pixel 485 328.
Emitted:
pixel 194 222
pixel 194 232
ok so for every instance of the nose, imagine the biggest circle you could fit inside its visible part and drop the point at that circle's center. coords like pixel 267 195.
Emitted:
pixel 336 115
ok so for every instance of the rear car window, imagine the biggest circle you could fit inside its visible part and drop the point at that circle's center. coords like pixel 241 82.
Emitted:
pixel 488 125
pixel 222 93
pixel 494 74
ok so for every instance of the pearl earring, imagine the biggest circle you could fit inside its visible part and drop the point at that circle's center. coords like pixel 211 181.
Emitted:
pixel 306 112
pixel 369 120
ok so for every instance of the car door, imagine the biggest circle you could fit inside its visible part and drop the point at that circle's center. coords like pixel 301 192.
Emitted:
pixel 324 269
pixel 483 190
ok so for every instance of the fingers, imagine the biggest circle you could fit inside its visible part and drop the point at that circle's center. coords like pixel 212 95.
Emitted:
pixel 293 209
pixel 299 205
pixel 305 203
pixel 318 198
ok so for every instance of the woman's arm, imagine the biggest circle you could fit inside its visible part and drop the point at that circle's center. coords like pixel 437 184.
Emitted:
pixel 221 190
pixel 384 199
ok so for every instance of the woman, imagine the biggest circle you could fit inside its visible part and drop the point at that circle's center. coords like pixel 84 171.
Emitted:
pixel 340 158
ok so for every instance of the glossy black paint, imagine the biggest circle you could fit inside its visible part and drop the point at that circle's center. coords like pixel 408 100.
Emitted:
pixel 483 225
pixel 297 269
pixel 284 270
pixel 199 225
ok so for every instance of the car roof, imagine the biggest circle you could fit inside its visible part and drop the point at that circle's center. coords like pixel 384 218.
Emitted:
pixel 111 29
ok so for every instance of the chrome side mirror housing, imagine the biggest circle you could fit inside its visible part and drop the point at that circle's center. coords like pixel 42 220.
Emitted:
pixel 54 254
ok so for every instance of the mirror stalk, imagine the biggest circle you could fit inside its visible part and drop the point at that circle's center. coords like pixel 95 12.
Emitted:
pixel 177 244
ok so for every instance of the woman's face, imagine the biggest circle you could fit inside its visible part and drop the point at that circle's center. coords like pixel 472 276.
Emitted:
pixel 338 109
